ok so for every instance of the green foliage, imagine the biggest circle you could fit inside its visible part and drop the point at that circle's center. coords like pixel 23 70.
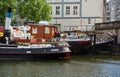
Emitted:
pixel 4 4
pixel 35 10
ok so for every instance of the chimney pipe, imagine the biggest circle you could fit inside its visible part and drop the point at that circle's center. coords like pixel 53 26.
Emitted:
pixel 8 22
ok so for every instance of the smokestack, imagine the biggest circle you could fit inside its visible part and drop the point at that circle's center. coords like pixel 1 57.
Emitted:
pixel 8 22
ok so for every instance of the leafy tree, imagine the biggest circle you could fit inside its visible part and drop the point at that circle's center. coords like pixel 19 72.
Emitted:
pixel 4 4
pixel 35 10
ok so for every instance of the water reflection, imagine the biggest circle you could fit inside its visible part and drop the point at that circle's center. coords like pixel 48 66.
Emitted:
pixel 76 67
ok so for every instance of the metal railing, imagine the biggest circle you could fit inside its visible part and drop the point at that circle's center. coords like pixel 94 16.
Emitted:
pixel 81 28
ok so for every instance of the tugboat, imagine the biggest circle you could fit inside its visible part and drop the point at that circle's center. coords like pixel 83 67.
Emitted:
pixel 21 42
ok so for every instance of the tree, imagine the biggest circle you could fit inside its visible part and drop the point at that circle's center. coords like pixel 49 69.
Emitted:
pixel 35 10
pixel 4 4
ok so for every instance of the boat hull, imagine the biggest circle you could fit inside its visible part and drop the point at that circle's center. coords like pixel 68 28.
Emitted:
pixel 36 56
pixel 50 52
pixel 80 47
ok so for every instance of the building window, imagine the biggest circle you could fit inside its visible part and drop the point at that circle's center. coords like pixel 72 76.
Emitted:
pixel 75 10
pixel 67 10
pixel 108 18
pixel 57 10
pixel 34 30
pixel 108 13
pixel 89 21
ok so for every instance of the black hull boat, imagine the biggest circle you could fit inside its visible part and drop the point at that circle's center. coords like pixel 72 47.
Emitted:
pixel 103 42
pixel 79 46
pixel 80 43
pixel 50 50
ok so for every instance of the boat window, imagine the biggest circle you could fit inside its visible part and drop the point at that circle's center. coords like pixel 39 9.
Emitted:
pixel 34 30
pixel 47 30
pixel 53 30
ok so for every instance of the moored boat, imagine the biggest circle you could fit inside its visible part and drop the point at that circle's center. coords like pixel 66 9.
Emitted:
pixel 79 44
pixel 30 41
pixel 103 42
pixel 56 50
pixel 32 47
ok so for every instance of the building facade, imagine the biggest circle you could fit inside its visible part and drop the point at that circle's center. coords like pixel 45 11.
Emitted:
pixel 108 13
pixel 113 10
pixel 77 14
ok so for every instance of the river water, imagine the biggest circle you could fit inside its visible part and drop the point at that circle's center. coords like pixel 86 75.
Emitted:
pixel 77 66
